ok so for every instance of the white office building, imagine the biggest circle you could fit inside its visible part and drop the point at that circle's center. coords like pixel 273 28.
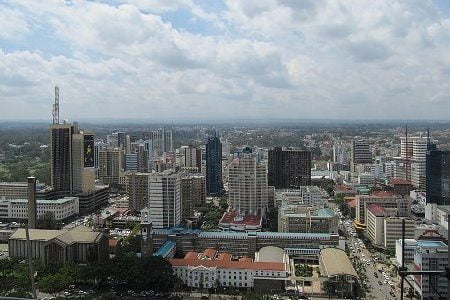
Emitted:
pixel 18 208
pixel 164 199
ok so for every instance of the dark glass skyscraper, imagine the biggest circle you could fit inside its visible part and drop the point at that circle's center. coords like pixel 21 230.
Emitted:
pixel 438 177
pixel 214 185
pixel 61 157
pixel 289 168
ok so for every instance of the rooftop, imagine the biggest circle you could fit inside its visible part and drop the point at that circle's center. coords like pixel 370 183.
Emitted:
pixel 233 217
pixel 399 181
pixel 78 234
pixel 270 254
pixel 335 261
pixel 45 201
pixel 377 210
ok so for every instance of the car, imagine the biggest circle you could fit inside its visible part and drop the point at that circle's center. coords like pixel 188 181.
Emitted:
pixel 379 282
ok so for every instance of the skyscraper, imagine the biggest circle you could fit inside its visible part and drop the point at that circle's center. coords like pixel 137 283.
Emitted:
pixel 289 168
pixel 138 190
pixel 60 156
pixel 214 185
pixel 438 176
pixel 361 153
pixel 110 166
pixel 193 193
pixel 165 199
pixel 190 158
pixel 72 159
pixel 248 191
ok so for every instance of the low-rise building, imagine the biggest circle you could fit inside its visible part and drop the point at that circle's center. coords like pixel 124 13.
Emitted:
pixel 17 209
pixel 341 276
pixel 79 244
pixel 232 221
pixel 212 269
pixel 304 195
pixel 293 218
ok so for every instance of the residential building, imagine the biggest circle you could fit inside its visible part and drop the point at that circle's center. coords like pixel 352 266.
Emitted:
pixel 247 184
pixel 165 199
pixel 288 168
pixel 214 185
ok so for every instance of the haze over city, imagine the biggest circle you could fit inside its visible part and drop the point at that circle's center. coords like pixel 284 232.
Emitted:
pixel 206 60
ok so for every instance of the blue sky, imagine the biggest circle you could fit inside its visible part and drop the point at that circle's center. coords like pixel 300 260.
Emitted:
pixel 201 60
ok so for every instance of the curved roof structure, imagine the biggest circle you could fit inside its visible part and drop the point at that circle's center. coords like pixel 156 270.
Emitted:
pixel 270 254
pixel 334 261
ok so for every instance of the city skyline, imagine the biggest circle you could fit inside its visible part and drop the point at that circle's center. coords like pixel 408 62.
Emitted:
pixel 225 59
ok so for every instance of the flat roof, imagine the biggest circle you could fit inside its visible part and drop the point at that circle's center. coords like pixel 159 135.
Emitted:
pixel 233 217
pixel 270 254
pixel 46 201
pixel 335 262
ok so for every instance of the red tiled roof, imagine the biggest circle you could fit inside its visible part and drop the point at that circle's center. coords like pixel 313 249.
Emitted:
pixel 210 253
pixel 352 203
pixel 376 209
pixel 385 194
pixel 224 256
pixel 343 187
pixel 245 258
pixel 229 217
pixel 399 181
pixel 191 255
pixel 224 264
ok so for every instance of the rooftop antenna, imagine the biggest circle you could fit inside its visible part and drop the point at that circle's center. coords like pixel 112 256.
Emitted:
pixel 407 155
pixel 55 112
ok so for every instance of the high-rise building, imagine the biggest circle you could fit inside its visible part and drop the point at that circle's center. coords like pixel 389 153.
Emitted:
pixel 60 155
pixel 190 158
pixel 289 168
pixel 438 177
pixel 165 199
pixel 72 159
pixel 411 165
pixel 131 162
pixel 247 182
pixel 110 168
pixel 137 190
pixel 193 193
pixel 142 159
pixel 161 141
pixel 214 185
pixel 361 153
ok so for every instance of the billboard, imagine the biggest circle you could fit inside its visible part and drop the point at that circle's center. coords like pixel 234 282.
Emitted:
pixel 88 151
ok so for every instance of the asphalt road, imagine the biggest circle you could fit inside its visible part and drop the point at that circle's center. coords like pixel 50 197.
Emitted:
pixel 378 286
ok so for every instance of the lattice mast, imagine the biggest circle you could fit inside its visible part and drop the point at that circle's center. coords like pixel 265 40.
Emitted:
pixel 55 112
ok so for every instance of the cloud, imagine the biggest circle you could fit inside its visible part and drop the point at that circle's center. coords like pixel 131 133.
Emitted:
pixel 267 58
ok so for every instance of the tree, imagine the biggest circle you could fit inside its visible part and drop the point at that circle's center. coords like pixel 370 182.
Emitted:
pixel 47 221
pixel 54 283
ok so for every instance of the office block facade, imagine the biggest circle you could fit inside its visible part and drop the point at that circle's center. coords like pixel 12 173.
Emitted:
pixel 438 177
pixel 289 168
pixel 214 184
